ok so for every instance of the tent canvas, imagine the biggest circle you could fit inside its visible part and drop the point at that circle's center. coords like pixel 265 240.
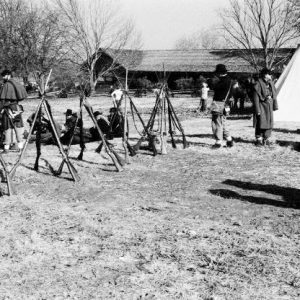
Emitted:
pixel 288 91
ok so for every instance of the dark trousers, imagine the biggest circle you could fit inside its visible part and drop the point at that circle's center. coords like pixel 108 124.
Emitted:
pixel 203 105
pixel 262 133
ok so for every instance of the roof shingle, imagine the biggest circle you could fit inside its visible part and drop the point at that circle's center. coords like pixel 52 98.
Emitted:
pixel 200 60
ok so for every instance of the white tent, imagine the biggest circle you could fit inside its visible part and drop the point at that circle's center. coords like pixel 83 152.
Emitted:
pixel 288 89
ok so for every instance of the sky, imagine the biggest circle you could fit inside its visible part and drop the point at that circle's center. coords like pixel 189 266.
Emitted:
pixel 163 22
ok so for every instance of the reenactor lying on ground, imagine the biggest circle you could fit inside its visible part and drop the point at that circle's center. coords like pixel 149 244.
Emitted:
pixel 72 130
pixel 47 135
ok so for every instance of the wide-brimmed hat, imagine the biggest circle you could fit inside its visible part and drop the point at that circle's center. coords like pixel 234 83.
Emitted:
pixel 5 72
pixel 265 71
pixel 221 69
pixel 97 113
pixel 68 112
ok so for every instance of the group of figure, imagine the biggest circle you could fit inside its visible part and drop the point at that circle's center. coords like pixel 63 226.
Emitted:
pixel 264 103
pixel 12 124
pixel 73 132
pixel 263 96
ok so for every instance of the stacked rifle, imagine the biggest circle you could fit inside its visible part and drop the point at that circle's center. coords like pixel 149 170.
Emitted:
pixel 36 123
pixel 163 119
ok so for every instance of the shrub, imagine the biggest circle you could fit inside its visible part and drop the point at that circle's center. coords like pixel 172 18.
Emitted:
pixel 184 83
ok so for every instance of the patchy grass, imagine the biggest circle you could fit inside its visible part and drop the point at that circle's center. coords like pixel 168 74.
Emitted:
pixel 194 224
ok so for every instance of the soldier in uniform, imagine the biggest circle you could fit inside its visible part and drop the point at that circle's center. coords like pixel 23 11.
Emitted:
pixel 265 102
pixel 219 108
pixel 11 93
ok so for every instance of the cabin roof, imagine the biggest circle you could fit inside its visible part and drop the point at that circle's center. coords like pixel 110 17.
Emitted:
pixel 200 60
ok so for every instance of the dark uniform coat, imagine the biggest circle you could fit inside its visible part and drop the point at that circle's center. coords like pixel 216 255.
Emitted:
pixel 10 95
pixel 222 93
pixel 263 106
pixel 222 88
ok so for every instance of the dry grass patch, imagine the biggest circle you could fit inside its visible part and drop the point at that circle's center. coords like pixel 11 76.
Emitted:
pixel 194 224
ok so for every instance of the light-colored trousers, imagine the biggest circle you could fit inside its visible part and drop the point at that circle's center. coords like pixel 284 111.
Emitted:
pixel 9 135
pixel 219 129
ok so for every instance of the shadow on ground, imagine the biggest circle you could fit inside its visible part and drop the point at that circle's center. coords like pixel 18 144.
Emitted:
pixel 241 140
pixel 290 196
pixel 190 143
pixel 239 117
pixel 285 130
pixel 294 145
pixel 203 135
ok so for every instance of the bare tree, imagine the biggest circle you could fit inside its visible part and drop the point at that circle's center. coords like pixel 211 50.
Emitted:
pixel 259 28
pixel 188 42
pixel 213 38
pixel 11 16
pixel 295 21
pixel 210 38
pixel 95 27
pixel 31 38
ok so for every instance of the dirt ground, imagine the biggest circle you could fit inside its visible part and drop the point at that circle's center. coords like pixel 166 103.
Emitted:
pixel 197 223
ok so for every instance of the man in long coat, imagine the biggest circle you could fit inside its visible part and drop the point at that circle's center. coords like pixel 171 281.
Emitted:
pixel 10 95
pixel 265 102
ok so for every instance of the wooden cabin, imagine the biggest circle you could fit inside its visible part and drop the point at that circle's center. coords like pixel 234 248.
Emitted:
pixel 154 65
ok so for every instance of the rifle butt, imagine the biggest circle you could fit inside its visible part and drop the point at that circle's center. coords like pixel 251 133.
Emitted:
pixel 80 156
pixel 36 164
pixel 120 160
pixel 137 146
pixel 131 150
pixel 152 145
pixel 163 144
pixel 116 158
pixel 12 172
pixel 126 153
pixel 59 171
pixel 99 148
pixel 73 172
pixel 116 162
pixel 6 176
pixel 173 143
pixel 9 188
pixel 184 141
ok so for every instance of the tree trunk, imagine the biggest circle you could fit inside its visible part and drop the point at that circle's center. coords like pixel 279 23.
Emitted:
pixel 25 80
pixel 92 84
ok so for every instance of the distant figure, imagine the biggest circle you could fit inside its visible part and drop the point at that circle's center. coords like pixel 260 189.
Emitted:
pixel 111 89
pixel 249 86
pixel 117 96
pixel 71 131
pixel 219 107
pixel 159 92
pixel 47 134
pixel 239 95
pixel 204 97
pixel 10 95
pixel 265 102
pixel 103 124
pixel 116 121
pixel 70 120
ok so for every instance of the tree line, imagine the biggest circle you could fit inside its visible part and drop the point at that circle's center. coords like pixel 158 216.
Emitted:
pixel 62 35
pixel 66 35
pixel 258 28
